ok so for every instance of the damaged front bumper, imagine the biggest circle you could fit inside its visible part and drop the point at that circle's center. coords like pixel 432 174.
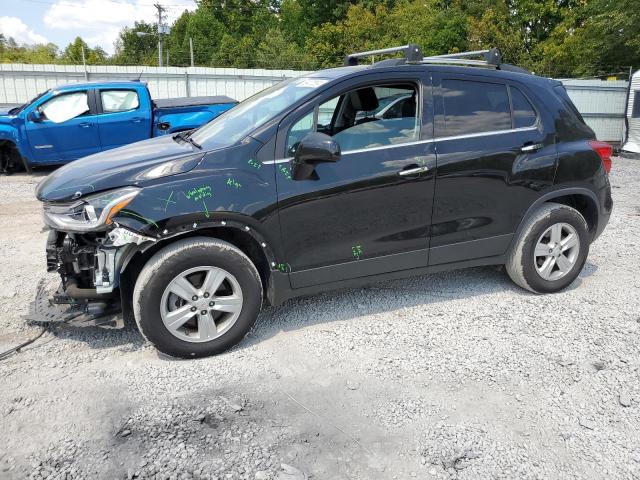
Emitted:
pixel 89 265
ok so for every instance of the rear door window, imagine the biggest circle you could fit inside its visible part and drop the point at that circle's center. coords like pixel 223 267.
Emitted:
pixel 475 107
pixel 119 100
pixel 524 115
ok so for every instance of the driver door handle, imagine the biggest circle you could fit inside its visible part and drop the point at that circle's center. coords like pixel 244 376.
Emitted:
pixel 86 125
pixel 532 147
pixel 413 171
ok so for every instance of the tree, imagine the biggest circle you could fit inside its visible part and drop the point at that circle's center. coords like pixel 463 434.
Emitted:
pixel 599 38
pixel 133 49
pixel 275 51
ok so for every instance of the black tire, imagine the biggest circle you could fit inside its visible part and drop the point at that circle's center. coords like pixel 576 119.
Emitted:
pixel 521 265
pixel 177 258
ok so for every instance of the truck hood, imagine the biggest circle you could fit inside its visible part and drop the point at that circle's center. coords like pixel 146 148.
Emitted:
pixel 5 118
pixel 132 164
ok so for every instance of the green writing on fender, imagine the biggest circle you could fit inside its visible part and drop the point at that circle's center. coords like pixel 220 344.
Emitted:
pixel 199 193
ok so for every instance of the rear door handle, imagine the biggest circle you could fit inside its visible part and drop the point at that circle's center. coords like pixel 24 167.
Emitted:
pixel 136 120
pixel 413 171
pixel 86 125
pixel 533 147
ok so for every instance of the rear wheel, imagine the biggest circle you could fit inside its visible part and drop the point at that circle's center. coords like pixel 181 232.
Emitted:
pixel 551 249
pixel 197 297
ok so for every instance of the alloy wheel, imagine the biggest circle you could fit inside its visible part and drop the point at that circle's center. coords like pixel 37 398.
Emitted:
pixel 201 304
pixel 556 251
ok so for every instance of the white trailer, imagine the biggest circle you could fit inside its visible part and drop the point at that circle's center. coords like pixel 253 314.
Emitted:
pixel 631 141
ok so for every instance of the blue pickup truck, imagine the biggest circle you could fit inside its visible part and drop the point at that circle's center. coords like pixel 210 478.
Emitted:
pixel 76 120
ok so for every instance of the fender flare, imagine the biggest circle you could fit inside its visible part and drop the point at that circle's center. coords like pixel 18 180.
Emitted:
pixel 562 192
pixel 165 236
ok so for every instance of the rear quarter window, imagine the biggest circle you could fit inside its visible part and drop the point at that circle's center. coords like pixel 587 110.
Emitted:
pixel 475 107
pixel 569 124
pixel 524 115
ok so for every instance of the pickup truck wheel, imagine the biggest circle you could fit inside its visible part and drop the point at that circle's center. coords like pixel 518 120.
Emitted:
pixel 551 249
pixel 197 297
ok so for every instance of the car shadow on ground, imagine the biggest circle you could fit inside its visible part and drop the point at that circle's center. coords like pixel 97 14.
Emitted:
pixel 421 291
pixel 339 305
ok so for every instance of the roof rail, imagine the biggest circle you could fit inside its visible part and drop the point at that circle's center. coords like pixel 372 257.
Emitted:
pixel 490 58
pixel 411 52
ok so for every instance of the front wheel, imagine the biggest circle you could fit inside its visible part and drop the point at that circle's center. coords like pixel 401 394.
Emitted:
pixel 551 249
pixel 197 297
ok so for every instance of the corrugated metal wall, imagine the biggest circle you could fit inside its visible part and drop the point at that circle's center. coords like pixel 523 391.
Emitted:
pixel 20 82
pixel 602 103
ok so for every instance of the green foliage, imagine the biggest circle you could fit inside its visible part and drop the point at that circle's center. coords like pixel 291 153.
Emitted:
pixel 551 37
pixel 134 49
pixel 73 53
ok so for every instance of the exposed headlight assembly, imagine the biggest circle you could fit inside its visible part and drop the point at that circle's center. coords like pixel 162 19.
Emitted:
pixel 92 213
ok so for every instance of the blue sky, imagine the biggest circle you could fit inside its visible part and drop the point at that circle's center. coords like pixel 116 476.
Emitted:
pixel 96 21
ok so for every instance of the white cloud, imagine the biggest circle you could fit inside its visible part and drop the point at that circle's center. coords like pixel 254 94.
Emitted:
pixel 99 21
pixel 16 28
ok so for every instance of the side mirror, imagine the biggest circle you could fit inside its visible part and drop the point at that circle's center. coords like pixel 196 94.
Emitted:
pixel 313 149
pixel 36 116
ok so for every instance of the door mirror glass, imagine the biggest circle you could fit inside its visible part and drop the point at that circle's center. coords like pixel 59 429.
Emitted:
pixel 65 107
pixel 35 116
pixel 313 149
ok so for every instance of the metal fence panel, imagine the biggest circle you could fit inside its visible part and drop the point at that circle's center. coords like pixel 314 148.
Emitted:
pixel 602 105
pixel 20 82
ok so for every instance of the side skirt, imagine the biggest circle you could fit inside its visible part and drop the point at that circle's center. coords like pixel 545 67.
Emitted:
pixel 280 291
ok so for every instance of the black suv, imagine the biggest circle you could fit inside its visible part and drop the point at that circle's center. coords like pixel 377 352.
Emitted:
pixel 334 179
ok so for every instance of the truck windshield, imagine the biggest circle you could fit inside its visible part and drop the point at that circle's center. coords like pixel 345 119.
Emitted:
pixel 241 120
pixel 18 109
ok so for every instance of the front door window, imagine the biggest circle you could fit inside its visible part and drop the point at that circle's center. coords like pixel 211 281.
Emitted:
pixel 65 107
pixel 363 118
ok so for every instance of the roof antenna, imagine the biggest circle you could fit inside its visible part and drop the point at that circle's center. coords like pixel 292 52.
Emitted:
pixel 140 76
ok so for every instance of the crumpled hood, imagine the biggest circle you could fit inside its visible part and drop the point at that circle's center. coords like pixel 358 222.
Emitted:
pixel 129 165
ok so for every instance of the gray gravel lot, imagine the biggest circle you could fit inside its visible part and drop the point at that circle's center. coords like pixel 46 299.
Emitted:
pixel 454 375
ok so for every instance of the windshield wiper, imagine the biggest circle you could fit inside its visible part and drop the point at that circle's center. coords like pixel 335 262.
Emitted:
pixel 185 136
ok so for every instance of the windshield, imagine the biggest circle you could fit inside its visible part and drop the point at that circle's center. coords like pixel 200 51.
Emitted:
pixel 16 110
pixel 241 120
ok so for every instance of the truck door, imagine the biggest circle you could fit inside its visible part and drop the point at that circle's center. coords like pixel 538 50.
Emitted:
pixel 62 128
pixel 122 117
pixel 370 212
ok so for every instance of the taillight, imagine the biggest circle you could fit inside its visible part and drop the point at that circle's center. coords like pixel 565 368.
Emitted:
pixel 604 151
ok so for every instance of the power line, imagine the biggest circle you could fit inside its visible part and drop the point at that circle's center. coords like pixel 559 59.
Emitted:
pixel 118 2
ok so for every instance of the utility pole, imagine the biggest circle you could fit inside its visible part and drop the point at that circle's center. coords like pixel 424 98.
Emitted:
pixel 84 64
pixel 191 50
pixel 161 10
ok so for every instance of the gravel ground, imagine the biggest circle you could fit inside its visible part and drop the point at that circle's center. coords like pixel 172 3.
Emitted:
pixel 455 375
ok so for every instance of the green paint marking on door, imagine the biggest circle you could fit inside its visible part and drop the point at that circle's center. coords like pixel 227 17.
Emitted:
pixel 284 170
